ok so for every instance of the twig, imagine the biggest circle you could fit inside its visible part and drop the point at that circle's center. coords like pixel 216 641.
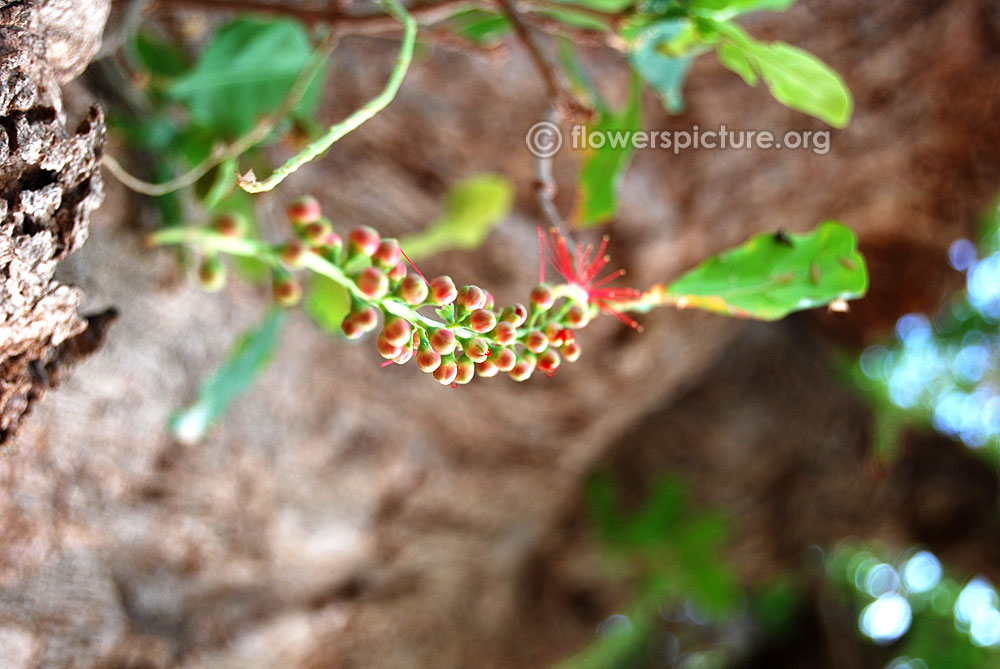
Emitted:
pixel 224 152
pixel 546 189
pixel 250 184
pixel 542 63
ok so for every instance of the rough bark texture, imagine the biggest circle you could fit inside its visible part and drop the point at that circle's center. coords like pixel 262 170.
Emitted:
pixel 49 184
pixel 346 515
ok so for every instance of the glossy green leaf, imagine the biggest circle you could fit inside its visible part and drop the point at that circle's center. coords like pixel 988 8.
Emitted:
pixel 471 209
pixel 328 303
pixel 246 360
pixel 652 58
pixel 480 26
pixel 731 8
pixel 796 78
pixel 244 72
pixel 604 167
pixel 773 275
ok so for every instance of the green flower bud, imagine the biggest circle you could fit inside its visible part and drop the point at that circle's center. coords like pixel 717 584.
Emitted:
pixel 466 369
pixel 363 240
pixel 505 359
pixel 212 274
pixel 397 331
pixel 548 362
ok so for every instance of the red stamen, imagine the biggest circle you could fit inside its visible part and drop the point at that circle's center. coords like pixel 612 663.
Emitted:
pixel 421 274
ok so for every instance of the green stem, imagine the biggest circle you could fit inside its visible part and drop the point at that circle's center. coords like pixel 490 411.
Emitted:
pixel 352 122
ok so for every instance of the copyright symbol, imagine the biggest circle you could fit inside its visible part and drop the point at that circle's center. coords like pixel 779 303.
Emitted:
pixel 543 139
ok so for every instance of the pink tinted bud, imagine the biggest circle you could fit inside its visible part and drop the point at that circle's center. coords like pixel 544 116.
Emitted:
pixel 291 253
pixel 366 318
pixel 397 273
pixel 536 341
pixel 571 352
pixel 428 359
pixel 505 333
pixel 304 210
pixel 548 362
pixel 413 290
pixel 231 224
pixel 443 341
pixel 482 320
pixel 443 290
pixel 363 240
pixel 490 303
pixel 487 368
pixel 212 274
pixel 466 370
pixel 351 329
pixel 372 282
pixel 558 335
pixel 387 349
pixel 505 359
pixel 472 297
pixel 516 315
pixel 576 317
pixel 523 368
pixel 542 297
pixel 397 331
pixel 387 254
pixel 446 372
pixel 477 349
pixel 318 232
pixel 286 290
pixel 403 357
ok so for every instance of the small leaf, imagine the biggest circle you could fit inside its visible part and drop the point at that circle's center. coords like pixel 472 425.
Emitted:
pixel 603 168
pixel 731 8
pixel 328 303
pixel 480 26
pixel 768 277
pixel 243 364
pixel 651 58
pixel 157 56
pixel 471 209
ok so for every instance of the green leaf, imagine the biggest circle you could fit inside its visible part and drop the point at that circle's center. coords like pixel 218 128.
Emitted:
pixel 730 8
pixel 471 209
pixel 606 6
pixel 480 26
pixel 576 18
pixel 243 364
pixel 772 275
pixel 245 71
pixel 328 303
pixel 157 56
pixel 796 78
pixel 652 58
pixel 604 167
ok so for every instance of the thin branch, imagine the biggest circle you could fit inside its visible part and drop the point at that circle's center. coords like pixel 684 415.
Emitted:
pixel 546 189
pixel 250 184
pixel 224 152
pixel 542 64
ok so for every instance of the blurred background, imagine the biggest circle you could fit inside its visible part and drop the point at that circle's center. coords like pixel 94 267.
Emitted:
pixel 712 492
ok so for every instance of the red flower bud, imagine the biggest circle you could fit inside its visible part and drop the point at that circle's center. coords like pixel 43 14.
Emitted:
pixel 548 362
pixel 318 232
pixel 286 290
pixel 231 224
pixel 471 297
pixel 372 282
pixel 387 254
pixel 443 341
pixel 387 349
pixel 489 301
pixel 466 370
pixel 397 331
pixel 576 317
pixel 290 253
pixel 477 349
pixel 523 368
pixel 542 297
pixel 516 315
pixel 487 368
pixel 482 320
pixel 443 290
pixel 505 359
pixel 428 359
pixel 447 371
pixel 558 335
pixel 212 274
pixel 505 333
pixel 536 341
pixel 363 240
pixel 413 290
pixel 571 352
pixel 398 273
pixel 304 210
pixel 333 243
pixel 351 329
pixel 403 357
pixel 367 318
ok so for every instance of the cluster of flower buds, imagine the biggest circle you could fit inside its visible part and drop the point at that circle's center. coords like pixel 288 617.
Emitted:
pixel 471 336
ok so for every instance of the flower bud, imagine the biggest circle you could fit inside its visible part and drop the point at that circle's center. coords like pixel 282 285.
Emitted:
pixel 471 297
pixel 428 359
pixel 466 370
pixel 333 245
pixel 490 303
pixel 304 210
pixel 536 341
pixel 558 335
pixel 318 232
pixel 387 254
pixel 351 329
pixel 476 349
pixel 482 320
pixel 505 333
pixel 576 317
pixel 397 331
pixel 231 224
pixel 487 368
pixel 505 359
pixel 286 290
pixel 212 274
pixel 397 273
pixel 404 356
pixel 367 318
pixel 516 315
pixel 363 240
pixel 548 362
pixel 542 297
pixel 443 290
pixel 386 348
pixel 443 341
pixel 523 368
pixel 571 352
pixel 413 290
pixel 291 252
pixel 372 282
pixel 446 372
